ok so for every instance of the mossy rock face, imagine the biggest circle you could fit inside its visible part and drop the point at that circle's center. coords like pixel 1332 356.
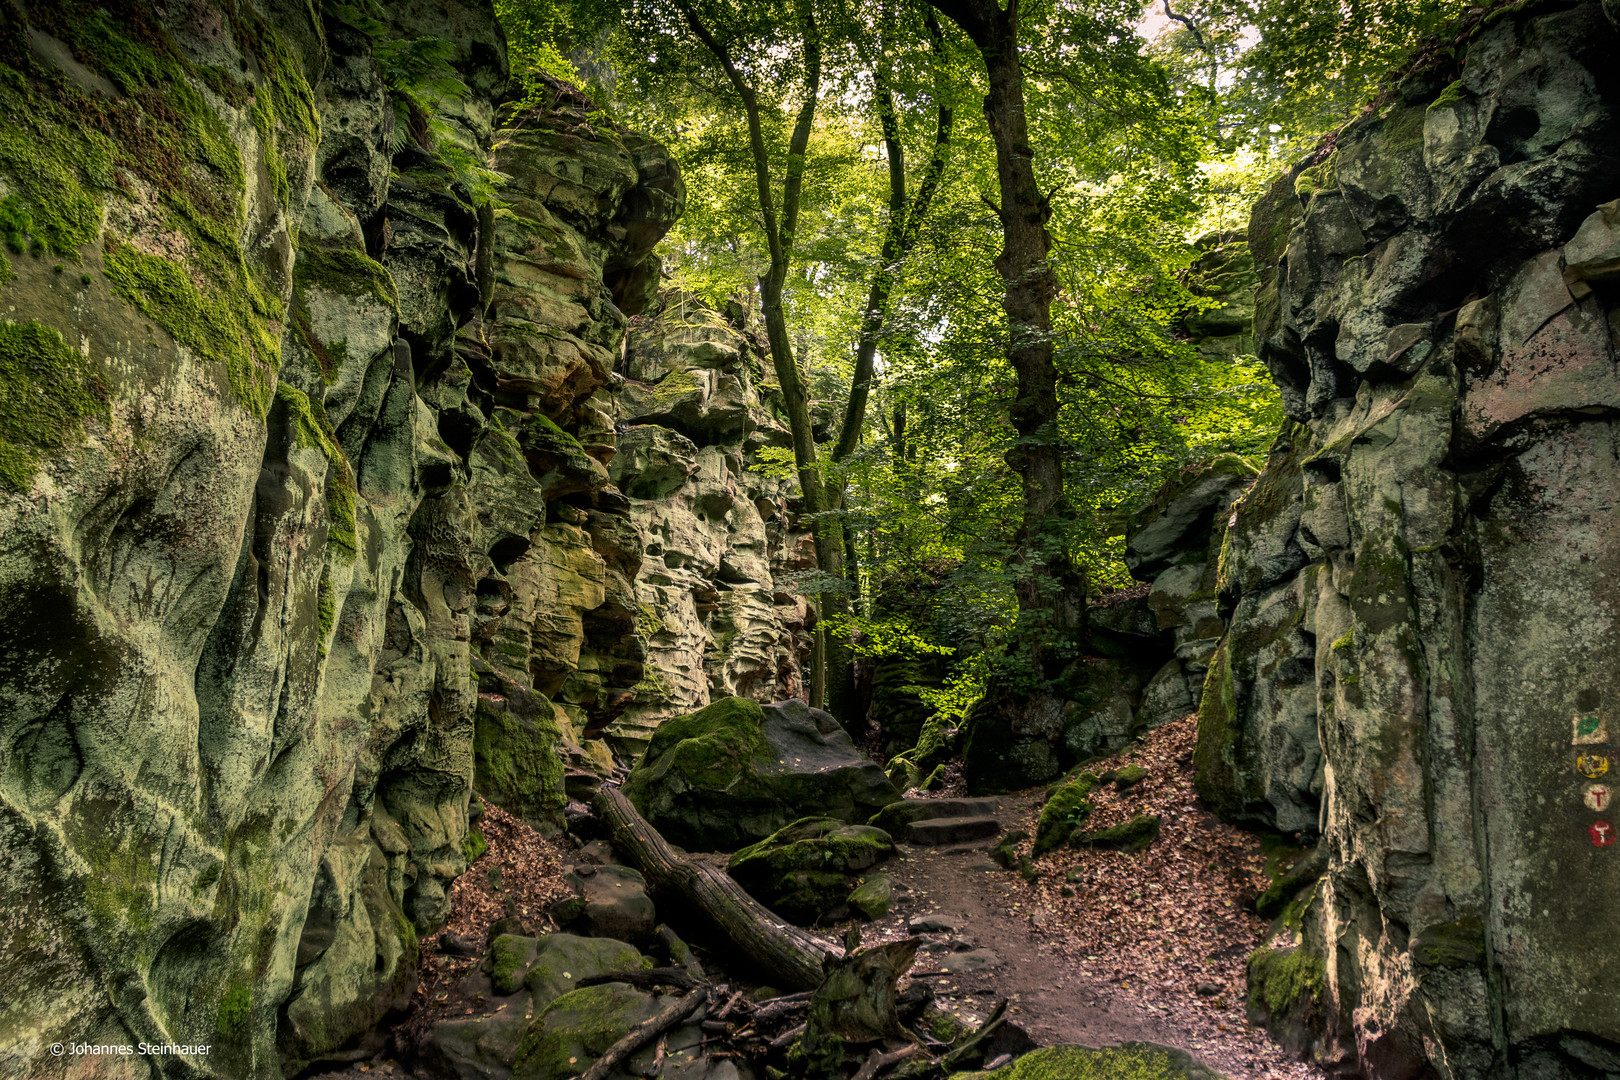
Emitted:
pixel 736 772
pixel 1064 812
pixel 1174 528
pixel 805 871
pixel 1457 944
pixel 517 758
pixel 579 1027
pixel 1285 989
pixel 1128 1061
pixel 563 959
pixel 1136 834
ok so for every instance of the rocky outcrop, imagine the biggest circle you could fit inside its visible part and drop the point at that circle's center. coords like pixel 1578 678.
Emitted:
pixel 735 772
pixel 317 499
pixel 1420 661
pixel 717 614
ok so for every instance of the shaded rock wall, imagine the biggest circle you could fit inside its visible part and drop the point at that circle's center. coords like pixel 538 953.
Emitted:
pixel 1420 586
pixel 305 479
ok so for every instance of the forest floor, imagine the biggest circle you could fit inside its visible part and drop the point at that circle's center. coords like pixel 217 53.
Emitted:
pixel 1147 946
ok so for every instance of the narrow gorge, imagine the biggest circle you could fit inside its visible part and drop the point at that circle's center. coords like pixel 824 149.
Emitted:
pixel 362 463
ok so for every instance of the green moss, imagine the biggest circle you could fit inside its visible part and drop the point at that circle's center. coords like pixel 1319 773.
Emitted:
pixel 709 745
pixel 218 326
pixel 65 154
pixel 47 390
pixel 1067 809
pixel 1137 834
pixel 579 1027
pixel 517 762
pixel 473 844
pixel 1214 754
pixel 235 1009
pixel 1451 95
pixel 1282 979
pixel 1322 176
pixel 345 272
pixel 1129 1061
pixel 807 870
pixel 509 959
pixel 326 604
pixel 1129 777
pixel 1345 640
pixel 1450 945
pixel 313 430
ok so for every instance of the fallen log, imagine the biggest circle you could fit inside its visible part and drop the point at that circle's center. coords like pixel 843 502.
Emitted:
pixel 793 957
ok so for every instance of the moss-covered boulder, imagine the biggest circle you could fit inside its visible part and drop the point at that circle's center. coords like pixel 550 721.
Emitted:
pixel 1067 810
pixel 1137 834
pixel 508 960
pixel 1128 1061
pixel 579 1027
pixel 874 896
pixel 737 771
pixel 563 959
pixel 517 763
pixel 806 871
pixel 1285 990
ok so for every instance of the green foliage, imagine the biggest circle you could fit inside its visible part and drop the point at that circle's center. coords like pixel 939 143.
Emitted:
pixel 47 390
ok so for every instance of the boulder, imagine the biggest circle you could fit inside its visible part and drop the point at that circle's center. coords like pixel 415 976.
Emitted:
pixel 1065 811
pixel 806 871
pixel 520 977
pixel 1174 529
pixel 615 902
pixel 579 1027
pixel 1137 834
pixel 735 772
pixel 874 896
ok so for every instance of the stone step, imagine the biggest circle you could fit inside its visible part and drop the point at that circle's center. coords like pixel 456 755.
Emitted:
pixel 894 818
pixel 932 832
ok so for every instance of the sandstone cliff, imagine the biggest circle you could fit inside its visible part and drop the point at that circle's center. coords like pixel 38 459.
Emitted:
pixel 1420 663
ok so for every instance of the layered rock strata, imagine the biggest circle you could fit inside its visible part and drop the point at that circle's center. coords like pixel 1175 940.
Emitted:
pixel 1420 586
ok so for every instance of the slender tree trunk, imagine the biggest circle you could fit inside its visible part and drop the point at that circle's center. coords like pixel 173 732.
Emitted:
pixel 1051 592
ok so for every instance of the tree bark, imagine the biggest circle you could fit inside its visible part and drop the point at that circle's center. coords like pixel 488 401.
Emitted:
pixel 1050 590
pixel 792 957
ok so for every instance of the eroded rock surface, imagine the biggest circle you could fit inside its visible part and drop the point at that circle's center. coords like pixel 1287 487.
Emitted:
pixel 327 496
pixel 1421 659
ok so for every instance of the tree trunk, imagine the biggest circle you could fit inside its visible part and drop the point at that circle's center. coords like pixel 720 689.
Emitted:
pixel 792 957
pixel 1051 591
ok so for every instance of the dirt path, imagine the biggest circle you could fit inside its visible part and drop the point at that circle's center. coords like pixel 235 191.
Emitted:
pixel 1125 955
